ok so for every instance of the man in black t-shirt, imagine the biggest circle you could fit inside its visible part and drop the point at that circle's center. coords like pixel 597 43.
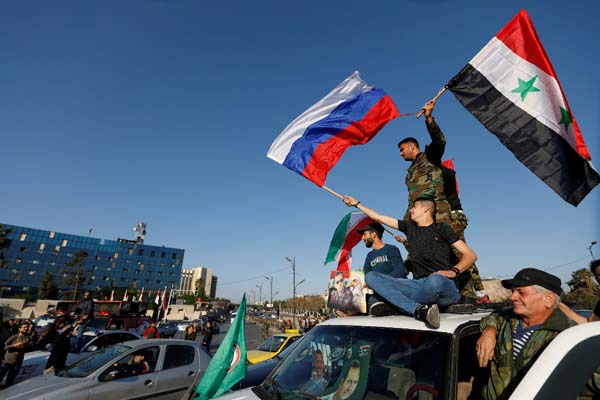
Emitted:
pixel 434 264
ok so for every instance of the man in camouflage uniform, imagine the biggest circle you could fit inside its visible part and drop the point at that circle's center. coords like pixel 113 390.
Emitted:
pixel 512 340
pixel 426 177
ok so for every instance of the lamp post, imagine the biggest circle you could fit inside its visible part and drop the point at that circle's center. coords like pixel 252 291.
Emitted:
pixel 293 261
pixel 270 279
pixel 253 297
pixel 259 293
pixel 590 249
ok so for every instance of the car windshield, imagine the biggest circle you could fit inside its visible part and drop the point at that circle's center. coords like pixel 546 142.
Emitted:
pixel 353 363
pixel 87 365
pixel 272 344
pixel 73 342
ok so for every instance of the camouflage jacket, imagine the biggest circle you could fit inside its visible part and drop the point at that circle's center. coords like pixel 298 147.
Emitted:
pixel 506 373
pixel 424 176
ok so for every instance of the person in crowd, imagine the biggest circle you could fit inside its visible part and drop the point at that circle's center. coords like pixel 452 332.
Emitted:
pixel 151 332
pixel 15 347
pixel 86 318
pixel 513 339
pixel 208 335
pixel 60 348
pixel 48 337
pixel 190 333
pixel 434 264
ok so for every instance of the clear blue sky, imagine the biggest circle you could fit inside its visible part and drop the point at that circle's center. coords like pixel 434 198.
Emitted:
pixel 113 112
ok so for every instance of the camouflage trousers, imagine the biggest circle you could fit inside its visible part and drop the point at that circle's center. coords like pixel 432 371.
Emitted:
pixel 469 281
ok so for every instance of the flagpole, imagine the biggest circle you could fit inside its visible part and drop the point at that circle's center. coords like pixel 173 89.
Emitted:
pixel 333 192
pixel 437 96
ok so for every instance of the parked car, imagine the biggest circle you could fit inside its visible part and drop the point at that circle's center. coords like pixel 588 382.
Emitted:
pixel 167 330
pixel 34 362
pixel 233 315
pixel 148 368
pixel 271 347
pixel 399 357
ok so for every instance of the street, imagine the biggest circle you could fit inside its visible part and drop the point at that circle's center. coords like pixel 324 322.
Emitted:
pixel 253 336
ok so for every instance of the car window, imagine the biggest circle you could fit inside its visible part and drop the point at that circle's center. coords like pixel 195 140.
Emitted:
pixel 357 362
pixel 272 344
pixel 86 366
pixel 178 355
pixel 139 362
pixel 292 340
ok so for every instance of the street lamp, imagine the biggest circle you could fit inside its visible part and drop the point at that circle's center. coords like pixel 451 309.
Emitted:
pixel 590 249
pixel 293 261
pixel 270 279
pixel 259 293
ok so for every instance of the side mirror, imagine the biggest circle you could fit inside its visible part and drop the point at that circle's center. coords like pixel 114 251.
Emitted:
pixel 91 349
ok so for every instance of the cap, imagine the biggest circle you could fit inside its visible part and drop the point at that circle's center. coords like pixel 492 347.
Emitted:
pixel 533 276
pixel 373 226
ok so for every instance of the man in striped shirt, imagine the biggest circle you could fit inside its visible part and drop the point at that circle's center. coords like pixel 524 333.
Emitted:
pixel 513 339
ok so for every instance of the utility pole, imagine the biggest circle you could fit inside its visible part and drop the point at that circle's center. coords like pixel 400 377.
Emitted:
pixel 271 282
pixel 259 293
pixel 293 261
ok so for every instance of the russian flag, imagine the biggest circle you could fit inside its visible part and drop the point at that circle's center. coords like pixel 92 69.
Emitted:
pixel 351 114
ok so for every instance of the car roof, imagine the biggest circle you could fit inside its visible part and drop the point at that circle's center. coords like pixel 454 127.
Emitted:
pixel 288 334
pixel 139 342
pixel 448 321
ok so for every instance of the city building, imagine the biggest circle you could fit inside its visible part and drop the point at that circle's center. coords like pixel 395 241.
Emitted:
pixel 194 278
pixel 30 253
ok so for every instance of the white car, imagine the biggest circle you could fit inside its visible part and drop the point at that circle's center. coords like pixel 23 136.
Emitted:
pixel 149 368
pixel 397 357
pixel 34 362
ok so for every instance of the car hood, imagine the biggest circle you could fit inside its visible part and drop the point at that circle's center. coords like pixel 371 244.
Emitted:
pixel 256 356
pixel 40 386
pixel 35 354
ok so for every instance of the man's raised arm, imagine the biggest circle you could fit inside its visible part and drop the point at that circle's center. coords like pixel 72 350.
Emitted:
pixel 374 215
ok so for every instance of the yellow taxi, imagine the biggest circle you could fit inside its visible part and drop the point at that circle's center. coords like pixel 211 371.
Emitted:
pixel 272 346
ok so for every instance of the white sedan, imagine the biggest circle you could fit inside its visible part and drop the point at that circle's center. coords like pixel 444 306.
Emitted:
pixel 148 368
pixel 34 362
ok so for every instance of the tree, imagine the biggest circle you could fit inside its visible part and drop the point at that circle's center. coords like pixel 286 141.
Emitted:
pixel 4 243
pixel 74 272
pixel 200 290
pixel 584 290
pixel 48 288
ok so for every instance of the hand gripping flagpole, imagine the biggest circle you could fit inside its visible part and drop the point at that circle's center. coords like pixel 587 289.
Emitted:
pixel 437 96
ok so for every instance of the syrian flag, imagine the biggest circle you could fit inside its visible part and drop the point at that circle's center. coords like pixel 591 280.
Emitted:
pixel 345 238
pixel 351 114
pixel 157 299
pixel 510 86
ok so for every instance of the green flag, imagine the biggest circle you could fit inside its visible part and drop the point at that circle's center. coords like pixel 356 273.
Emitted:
pixel 228 366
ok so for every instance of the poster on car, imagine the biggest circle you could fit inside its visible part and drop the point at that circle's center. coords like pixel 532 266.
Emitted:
pixel 346 292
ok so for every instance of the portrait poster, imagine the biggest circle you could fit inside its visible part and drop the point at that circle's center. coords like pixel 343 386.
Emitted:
pixel 351 383
pixel 346 292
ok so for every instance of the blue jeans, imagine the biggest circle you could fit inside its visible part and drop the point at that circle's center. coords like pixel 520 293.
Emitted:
pixel 80 331
pixel 408 294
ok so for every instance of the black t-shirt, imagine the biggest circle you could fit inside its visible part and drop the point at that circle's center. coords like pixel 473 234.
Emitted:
pixel 430 247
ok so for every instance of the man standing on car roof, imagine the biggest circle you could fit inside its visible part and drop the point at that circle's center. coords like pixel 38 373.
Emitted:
pixel 86 318
pixel 427 177
pixel 512 340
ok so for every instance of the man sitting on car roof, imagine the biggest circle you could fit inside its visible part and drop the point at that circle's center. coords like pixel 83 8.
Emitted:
pixel 434 265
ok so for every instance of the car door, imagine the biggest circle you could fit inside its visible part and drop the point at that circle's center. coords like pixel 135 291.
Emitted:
pixel 180 367
pixel 127 382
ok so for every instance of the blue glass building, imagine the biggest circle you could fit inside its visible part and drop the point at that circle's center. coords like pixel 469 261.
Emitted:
pixel 110 264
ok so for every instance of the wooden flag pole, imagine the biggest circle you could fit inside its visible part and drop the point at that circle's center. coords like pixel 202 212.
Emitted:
pixel 437 96
pixel 336 194
pixel 333 192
